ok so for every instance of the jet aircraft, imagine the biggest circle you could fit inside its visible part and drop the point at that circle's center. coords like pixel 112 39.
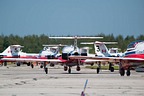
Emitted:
pixel 71 56
pixel 72 50
pixel 64 59
pixel 14 51
pixel 134 56
pixel 50 52
pixel 102 51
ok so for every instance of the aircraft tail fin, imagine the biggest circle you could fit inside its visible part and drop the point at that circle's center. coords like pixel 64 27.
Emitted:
pixel 12 49
pixel 100 47
pixel 7 50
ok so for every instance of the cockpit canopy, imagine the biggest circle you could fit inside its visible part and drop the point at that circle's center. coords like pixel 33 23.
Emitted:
pixel 133 44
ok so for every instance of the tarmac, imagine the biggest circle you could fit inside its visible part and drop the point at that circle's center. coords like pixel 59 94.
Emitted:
pixel 25 81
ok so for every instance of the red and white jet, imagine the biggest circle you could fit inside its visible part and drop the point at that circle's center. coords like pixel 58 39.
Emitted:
pixel 133 57
pixel 73 50
pixel 101 49
pixel 14 51
pixel 64 59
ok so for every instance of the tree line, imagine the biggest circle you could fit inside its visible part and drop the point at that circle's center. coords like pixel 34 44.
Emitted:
pixel 33 43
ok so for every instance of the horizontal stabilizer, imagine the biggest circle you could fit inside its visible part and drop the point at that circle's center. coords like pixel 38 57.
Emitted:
pixel 16 46
pixel 97 42
pixel 56 45
pixel 76 37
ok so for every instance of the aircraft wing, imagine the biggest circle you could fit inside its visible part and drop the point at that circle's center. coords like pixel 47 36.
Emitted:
pixel 31 60
pixel 84 59
pixel 132 59
pixel 90 58
pixel 76 37
pixel 93 60
pixel 109 59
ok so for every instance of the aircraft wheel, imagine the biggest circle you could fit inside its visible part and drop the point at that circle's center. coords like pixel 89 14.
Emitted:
pixel 41 66
pixel 32 66
pixel 18 64
pixel 65 68
pixel 78 68
pixel 52 65
pixel 69 70
pixel 46 70
pixel 98 70
pixel 128 72
pixel 112 69
pixel 28 64
pixel 122 72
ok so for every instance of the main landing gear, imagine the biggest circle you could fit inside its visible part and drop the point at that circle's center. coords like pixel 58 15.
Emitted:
pixel 45 68
pixel 122 72
pixel 111 68
pixel 122 69
pixel 67 69
pixel 32 66
pixel 98 68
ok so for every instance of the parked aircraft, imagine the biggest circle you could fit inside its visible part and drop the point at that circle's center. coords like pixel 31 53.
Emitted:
pixel 64 59
pixel 102 51
pixel 86 50
pixel 134 56
pixel 71 56
pixel 51 51
pixel 135 49
pixel 14 51
pixel 72 50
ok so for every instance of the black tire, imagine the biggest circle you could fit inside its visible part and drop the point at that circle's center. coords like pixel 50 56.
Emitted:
pixel 46 70
pixel 32 66
pixel 98 70
pixel 122 72
pixel 28 64
pixel 41 66
pixel 18 64
pixel 112 69
pixel 69 70
pixel 128 73
pixel 78 68
pixel 65 68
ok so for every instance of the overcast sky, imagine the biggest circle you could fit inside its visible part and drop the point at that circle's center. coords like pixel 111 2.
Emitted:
pixel 72 17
